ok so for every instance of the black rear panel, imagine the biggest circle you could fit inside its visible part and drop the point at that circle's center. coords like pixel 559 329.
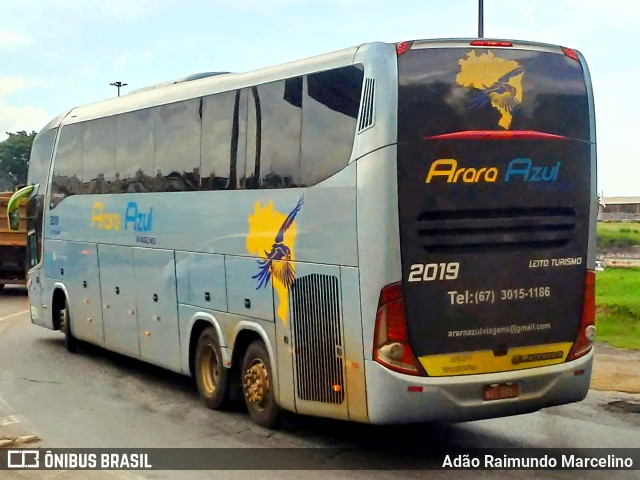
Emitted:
pixel 494 190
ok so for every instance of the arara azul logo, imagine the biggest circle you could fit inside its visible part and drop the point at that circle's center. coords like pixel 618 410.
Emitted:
pixel 134 219
pixel 497 82
pixel 447 170
pixel 272 237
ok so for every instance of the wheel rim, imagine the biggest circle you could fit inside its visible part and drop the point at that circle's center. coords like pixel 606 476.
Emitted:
pixel 63 321
pixel 209 369
pixel 256 384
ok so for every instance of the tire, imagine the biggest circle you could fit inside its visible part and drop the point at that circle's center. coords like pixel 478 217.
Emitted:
pixel 70 342
pixel 257 387
pixel 211 375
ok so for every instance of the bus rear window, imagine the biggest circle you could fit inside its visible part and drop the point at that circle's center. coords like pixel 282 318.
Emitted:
pixel 446 90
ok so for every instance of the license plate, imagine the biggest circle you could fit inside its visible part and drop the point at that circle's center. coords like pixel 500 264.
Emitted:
pixel 500 391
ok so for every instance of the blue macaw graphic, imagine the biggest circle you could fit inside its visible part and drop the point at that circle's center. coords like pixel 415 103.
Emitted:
pixel 503 94
pixel 283 271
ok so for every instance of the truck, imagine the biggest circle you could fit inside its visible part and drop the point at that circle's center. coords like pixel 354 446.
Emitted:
pixel 13 245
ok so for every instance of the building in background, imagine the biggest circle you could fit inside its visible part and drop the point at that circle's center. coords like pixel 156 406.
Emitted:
pixel 619 208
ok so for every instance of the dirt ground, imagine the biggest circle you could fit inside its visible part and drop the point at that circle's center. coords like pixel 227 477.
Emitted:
pixel 616 369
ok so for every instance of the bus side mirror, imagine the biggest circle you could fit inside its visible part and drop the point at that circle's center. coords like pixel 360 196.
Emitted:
pixel 13 207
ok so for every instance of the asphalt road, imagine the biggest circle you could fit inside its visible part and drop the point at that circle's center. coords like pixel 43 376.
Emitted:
pixel 100 399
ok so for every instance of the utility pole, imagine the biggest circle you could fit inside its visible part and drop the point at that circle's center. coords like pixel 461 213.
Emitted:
pixel 118 84
pixel 480 18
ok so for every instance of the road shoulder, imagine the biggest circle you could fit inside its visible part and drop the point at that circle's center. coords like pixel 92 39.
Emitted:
pixel 616 369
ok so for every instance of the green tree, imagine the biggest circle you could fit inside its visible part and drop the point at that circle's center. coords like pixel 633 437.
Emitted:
pixel 14 159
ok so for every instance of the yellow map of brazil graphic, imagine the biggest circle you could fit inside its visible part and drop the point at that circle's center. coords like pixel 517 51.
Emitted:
pixel 272 238
pixel 499 82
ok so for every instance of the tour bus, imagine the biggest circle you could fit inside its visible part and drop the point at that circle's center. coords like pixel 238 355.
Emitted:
pixel 390 233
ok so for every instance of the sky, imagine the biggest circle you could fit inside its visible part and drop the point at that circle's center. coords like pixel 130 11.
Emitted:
pixel 55 55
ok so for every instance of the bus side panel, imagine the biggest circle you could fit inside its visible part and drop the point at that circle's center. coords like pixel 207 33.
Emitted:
pixel 317 338
pixel 155 277
pixel 119 300
pixel 354 354
pixel 201 280
pixel 378 237
pixel 83 287
pixel 35 286
pixel 284 365
pixel 242 295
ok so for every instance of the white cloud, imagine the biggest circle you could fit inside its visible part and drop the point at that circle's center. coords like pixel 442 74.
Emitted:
pixel 14 118
pixel 9 85
pixel 11 39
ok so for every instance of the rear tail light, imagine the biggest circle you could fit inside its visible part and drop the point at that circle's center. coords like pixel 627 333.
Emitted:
pixel 391 340
pixel 491 43
pixel 587 332
pixel 403 47
pixel 570 53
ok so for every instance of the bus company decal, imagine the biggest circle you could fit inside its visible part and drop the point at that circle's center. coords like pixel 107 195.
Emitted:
pixel 447 170
pixel 485 361
pixel 272 237
pixel 498 82
pixel 135 220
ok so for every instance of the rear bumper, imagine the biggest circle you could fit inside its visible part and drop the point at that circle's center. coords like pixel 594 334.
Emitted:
pixel 460 398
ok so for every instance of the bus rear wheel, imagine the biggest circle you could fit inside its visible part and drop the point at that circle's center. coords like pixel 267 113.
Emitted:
pixel 70 342
pixel 211 375
pixel 257 386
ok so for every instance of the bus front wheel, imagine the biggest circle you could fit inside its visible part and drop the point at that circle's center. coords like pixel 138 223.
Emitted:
pixel 257 386
pixel 211 375
pixel 70 341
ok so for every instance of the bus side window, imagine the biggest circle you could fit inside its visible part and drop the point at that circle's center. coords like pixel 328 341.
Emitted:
pixel 273 135
pixel 177 147
pixel 67 168
pixel 99 155
pixel 223 137
pixel 134 152
pixel 330 105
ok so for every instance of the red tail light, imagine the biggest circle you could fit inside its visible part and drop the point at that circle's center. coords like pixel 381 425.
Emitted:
pixel 490 43
pixel 391 340
pixel 570 53
pixel 587 332
pixel 403 47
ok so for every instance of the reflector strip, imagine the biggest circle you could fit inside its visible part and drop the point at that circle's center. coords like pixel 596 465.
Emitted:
pixel 497 135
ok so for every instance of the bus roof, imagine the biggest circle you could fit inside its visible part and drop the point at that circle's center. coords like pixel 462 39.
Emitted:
pixel 208 83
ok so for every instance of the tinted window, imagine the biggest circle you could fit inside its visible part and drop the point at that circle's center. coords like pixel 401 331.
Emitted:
pixel 67 169
pixel 223 138
pixel 330 101
pixel 177 147
pixel 41 158
pixel 38 174
pixel 134 152
pixel 99 155
pixel 447 90
pixel 273 135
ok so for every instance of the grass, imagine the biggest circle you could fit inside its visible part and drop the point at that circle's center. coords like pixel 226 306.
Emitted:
pixel 618 235
pixel 618 307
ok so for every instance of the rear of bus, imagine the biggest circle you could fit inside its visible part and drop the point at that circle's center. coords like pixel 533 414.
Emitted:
pixel 496 189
